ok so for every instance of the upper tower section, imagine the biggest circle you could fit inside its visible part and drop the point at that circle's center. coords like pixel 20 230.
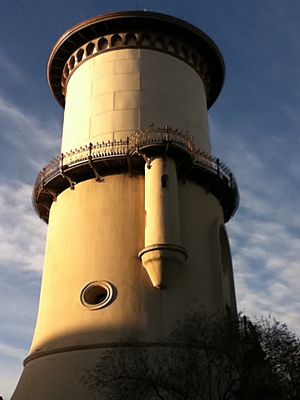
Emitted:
pixel 122 72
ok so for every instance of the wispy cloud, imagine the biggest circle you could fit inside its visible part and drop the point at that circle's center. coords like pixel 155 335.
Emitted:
pixel 11 351
pixel 266 258
pixel 27 142
pixel 22 234
pixel 22 240
pixel 10 368
pixel 265 233
pixel 10 69
pixel 32 140
pixel 262 149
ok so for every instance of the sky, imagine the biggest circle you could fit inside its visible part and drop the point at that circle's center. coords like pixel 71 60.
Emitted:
pixel 255 130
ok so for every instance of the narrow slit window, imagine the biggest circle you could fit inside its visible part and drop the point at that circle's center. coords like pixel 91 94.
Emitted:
pixel 164 181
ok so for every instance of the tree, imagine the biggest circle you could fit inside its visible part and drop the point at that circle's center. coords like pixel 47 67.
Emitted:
pixel 205 358
pixel 281 348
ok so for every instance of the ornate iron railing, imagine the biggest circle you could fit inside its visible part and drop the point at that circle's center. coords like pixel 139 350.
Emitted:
pixel 135 145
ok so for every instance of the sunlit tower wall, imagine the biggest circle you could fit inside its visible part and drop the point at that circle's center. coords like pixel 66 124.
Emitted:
pixel 135 203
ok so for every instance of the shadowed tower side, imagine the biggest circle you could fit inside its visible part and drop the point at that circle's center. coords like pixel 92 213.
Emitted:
pixel 135 203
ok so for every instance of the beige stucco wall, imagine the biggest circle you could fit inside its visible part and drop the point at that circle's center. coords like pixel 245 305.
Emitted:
pixel 95 233
pixel 161 204
pixel 88 239
pixel 116 93
pixel 227 271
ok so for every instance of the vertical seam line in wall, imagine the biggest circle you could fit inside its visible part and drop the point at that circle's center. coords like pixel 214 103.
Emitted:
pixel 139 118
pixel 139 109
pixel 90 99
pixel 90 127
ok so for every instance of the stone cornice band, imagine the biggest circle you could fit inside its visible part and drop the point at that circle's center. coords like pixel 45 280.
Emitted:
pixel 93 346
pixel 164 247
pixel 136 29
pixel 141 40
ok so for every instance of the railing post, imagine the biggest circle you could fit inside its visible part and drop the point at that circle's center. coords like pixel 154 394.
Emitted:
pixel 42 180
pixel 218 166
pixel 90 150
pixel 61 161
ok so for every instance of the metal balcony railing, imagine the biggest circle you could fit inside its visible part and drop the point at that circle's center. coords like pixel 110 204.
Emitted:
pixel 143 143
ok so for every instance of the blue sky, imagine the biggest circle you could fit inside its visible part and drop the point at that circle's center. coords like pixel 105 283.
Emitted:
pixel 255 126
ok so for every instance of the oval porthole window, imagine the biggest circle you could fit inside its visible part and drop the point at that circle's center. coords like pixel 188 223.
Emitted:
pixel 97 295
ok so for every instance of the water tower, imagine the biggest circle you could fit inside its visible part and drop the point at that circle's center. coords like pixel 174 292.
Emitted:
pixel 135 203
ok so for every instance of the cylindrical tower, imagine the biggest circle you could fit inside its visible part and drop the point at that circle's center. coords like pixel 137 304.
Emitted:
pixel 135 203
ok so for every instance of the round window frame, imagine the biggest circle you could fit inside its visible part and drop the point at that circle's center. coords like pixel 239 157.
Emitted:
pixel 92 285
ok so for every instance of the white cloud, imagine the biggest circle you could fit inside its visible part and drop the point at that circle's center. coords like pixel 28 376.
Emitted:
pixel 11 351
pixel 266 252
pixel 8 68
pixel 10 368
pixel 267 264
pixel 22 234
pixel 265 232
pixel 22 240
pixel 33 140
pixel 27 142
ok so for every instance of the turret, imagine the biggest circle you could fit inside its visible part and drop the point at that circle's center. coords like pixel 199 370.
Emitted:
pixel 135 203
